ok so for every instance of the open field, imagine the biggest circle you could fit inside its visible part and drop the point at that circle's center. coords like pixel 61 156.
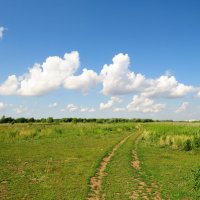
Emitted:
pixel 169 153
pixel 78 161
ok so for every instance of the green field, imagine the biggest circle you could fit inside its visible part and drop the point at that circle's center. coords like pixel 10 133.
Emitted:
pixel 78 161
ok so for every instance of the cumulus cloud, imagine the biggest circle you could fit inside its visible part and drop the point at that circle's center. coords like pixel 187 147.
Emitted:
pixel 53 105
pixel 166 86
pixel 83 82
pixel 119 109
pixel 20 109
pixel 90 110
pixel 183 107
pixel 198 93
pixel 84 109
pixel 75 108
pixel 52 74
pixel 144 104
pixel 110 103
pixel 117 79
pixel 72 107
pixel 2 30
pixel 2 105
pixel 10 86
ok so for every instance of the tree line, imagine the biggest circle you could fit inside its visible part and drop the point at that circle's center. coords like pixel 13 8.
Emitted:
pixel 11 120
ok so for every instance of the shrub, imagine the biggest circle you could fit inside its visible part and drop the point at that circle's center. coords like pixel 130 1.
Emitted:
pixel 196 142
pixel 187 146
pixel 58 131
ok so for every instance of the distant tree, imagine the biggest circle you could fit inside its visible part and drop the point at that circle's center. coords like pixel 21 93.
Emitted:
pixel 31 120
pixel 43 120
pixel 74 120
pixel 50 120
pixel 2 120
pixel 99 121
pixel 6 119
pixel 21 120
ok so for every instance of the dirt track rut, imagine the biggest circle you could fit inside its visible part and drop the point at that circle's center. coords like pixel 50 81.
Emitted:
pixel 143 190
pixel 96 181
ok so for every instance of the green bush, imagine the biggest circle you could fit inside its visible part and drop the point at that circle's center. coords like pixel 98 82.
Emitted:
pixel 196 142
pixel 187 146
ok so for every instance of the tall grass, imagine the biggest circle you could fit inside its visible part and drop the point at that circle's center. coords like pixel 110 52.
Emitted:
pixel 176 136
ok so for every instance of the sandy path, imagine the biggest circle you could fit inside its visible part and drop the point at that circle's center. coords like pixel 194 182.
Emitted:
pixel 96 181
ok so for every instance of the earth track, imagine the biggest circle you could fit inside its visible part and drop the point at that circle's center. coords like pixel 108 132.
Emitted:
pixel 143 190
pixel 96 181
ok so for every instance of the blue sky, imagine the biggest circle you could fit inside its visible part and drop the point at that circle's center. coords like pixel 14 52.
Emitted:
pixel 154 74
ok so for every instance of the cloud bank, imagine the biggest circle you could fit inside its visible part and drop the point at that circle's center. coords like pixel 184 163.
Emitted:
pixel 116 79
pixel 54 73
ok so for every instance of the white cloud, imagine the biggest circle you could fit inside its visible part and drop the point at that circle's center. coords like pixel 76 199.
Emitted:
pixel 145 105
pixel 2 29
pixel 9 87
pixel 83 82
pixel 119 109
pixel 167 87
pixel 2 105
pixel 90 110
pixel 183 107
pixel 84 110
pixel 52 74
pixel 198 93
pixel 20 109
pixel 53 105
pixel 62 110
pixel 110 103
pixel 72 108
pixel 118 79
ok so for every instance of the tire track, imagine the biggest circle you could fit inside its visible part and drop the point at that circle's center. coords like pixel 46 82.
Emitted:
pixel 143 190
pixel 96 181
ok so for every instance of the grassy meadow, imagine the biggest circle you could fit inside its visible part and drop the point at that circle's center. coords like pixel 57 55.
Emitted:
pixel 53 161
pixel 57 161
pixel 170 153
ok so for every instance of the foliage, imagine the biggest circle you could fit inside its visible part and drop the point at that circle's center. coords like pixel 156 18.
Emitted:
pixel 4 120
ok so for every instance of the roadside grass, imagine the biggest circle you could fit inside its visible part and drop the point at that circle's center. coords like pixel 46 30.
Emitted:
pixel 53 161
